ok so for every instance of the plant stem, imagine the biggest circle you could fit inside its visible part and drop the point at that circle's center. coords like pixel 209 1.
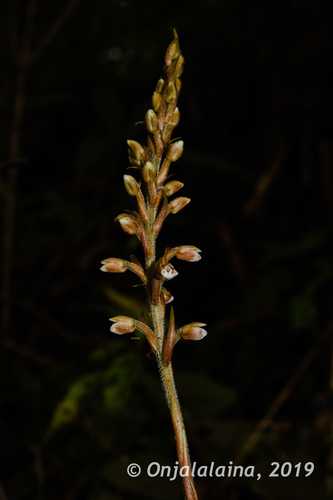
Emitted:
pixel 167 378
pixel 168 382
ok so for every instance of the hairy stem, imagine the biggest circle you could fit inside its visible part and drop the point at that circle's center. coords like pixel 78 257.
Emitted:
pixel 168 382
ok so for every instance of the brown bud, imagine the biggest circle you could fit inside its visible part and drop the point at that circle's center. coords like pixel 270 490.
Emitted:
pixel 136 149
pixel 122 324
pixel 113 265
pixel 178 203
pixel 193 331
pixel 175 151
pixel 189 253
pixel 151 121
pixel 173 50
pixel 131 185
pixel 149 172
pixel 128 223
pixel 172 187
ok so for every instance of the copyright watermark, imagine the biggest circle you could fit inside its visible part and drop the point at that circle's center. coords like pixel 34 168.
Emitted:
pixel 134 470
pixel 286 469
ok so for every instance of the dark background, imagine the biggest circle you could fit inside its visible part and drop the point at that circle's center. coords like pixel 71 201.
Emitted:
pixel 77 403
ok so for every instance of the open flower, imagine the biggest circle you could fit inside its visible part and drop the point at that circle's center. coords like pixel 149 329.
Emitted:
pixel 193 331
pixel 168 272
pixel 113 265
pixel 189 253
pixel 122 324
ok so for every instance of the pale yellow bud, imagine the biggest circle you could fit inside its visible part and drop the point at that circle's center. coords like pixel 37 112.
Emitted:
pixel 159 86
pixel 156 100
pixel 170 92
pixel 131 185
pixel 151 121
pixel 136 149
pixel 175 151
pixel 149 172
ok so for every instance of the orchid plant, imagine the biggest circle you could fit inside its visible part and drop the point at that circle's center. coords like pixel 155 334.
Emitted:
pixel 152 193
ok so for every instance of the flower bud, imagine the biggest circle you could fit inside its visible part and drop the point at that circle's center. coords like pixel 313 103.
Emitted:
pixel 128 223
pixel 156 100
pixel 159 86
pixel 178 203
pixel 172 51
pixel 167 296
pixel 131 185
pixel 170 93
pixel 189 253
pixel 168 272
pixel 122 324
pixel 179 66
pixel 178 85
pixel 174 120
pixel 193 331
pixel 175 151
pixel 113 265
pixel 151 121
pixel 136 149
pixel 149 172
pixel 172 187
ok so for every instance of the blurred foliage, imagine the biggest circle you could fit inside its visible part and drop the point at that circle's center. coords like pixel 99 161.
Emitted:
pixel 77 405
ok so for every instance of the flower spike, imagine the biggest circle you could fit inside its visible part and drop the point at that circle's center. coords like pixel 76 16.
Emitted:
pixel 152 191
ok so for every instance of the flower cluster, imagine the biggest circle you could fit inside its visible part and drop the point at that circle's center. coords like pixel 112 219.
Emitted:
pixel 152 195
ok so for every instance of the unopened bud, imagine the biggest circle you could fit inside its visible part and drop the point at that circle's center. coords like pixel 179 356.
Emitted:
pixel 136 149
pixel 128 223
pixel 170 93
pixel 174 120
pixel 131 185
pixel 149 172
pixel 175 151
pixel 159 86
pixel 151 121
pixel 178 203
pixel 193 331
pixel 156 100
pixel 172 51
pixel 167 296
pixel 189 253
pixel 113 265
pixel 178 85
pixel 172 187
pixel 122 324
pixel 179 66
